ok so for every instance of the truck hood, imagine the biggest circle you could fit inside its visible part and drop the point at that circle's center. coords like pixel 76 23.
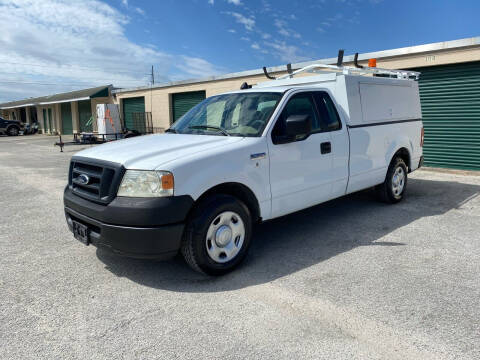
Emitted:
pixel 152 151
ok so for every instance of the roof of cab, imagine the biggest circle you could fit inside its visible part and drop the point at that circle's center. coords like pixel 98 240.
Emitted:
pixel 279 89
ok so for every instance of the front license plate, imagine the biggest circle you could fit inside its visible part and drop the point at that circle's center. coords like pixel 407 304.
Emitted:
pixel 80 232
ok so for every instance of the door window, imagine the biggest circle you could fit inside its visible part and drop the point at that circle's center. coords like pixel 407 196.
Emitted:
pixel 300 104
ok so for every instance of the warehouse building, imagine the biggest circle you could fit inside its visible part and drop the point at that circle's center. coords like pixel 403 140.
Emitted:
pixel 449 90
pixel 65 113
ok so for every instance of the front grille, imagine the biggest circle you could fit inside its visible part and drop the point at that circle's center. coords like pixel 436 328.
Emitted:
pixel 95 180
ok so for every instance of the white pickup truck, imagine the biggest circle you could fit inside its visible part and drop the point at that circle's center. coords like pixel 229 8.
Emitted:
pixel 243 157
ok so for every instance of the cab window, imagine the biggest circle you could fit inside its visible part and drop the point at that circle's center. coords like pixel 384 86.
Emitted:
pixel 299 104
pixel 328 112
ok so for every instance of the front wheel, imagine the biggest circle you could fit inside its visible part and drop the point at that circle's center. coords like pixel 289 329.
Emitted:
pixel 393 188
pixel 13 131
pixel 217 235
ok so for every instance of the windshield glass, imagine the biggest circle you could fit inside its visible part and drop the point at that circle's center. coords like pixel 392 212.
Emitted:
pixel 238 114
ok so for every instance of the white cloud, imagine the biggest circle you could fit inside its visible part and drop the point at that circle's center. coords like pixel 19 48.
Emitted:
pixel 140 11
pixel 46 52
pixel 266 36
pixel 197 67
pixel 235 2
pixel 233 31
pixel 255 46
pixel 285 52
pixel 319 29
pixel 249 22
pixel 125 3
pixel 211 2
pixel 284 30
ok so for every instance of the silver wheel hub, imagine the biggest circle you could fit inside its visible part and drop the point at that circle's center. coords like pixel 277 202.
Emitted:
pixel 398 181
pixel 225 237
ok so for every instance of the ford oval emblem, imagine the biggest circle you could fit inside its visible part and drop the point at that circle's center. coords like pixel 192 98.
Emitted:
pixel 83 179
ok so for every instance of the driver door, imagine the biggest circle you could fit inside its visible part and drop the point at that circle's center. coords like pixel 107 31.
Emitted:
pixel 300 170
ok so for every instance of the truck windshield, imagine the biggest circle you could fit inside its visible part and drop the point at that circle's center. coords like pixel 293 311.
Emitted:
pixel 237 114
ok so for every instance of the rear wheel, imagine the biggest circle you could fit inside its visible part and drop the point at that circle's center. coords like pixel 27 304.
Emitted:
pixel 217 236
pixel 13 131
pixel 393 188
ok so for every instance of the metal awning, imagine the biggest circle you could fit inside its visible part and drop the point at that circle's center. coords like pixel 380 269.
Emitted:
pixel 85 94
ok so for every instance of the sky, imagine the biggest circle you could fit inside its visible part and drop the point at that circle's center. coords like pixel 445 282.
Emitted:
pixel 53 46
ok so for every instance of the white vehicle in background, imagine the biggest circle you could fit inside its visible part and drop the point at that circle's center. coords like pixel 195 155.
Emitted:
pixel 247 156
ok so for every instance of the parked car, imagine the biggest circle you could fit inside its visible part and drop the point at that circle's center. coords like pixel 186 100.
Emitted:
pixel 30 129
pixel 11 127
pixel 243 157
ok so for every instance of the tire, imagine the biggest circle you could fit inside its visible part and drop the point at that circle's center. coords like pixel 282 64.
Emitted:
pixel 395 185
pixel 13 131
pixel 217 235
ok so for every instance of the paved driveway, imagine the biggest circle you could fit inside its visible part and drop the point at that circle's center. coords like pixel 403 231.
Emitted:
pixel 349 279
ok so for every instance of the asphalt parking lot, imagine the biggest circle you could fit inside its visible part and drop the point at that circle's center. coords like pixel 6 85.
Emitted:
pixel 349 279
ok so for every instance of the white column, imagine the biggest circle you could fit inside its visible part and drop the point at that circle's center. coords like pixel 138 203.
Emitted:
pixel 27 115
pixel 75 121
pixel 58 119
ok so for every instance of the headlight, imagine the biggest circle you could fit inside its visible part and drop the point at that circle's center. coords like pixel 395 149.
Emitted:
pixel 140 183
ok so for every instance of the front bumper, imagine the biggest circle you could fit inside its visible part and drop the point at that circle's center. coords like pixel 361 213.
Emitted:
pixel 134 227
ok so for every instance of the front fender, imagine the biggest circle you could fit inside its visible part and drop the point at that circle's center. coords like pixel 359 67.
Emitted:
pixel 198 173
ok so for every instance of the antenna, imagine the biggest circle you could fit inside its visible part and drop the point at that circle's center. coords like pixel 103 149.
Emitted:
pixel 153 77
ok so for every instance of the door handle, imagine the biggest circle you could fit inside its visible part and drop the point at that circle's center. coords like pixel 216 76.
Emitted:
pixel 325 148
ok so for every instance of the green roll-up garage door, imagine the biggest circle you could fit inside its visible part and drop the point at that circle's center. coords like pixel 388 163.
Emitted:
pixel 132 110
pixel 84 115
pixel 66 110
pixel 450 97
pixel 182 102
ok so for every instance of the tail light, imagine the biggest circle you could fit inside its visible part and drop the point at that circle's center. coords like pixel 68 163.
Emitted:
pixel 422 137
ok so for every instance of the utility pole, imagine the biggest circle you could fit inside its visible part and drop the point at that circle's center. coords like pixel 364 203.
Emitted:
pixel 153 77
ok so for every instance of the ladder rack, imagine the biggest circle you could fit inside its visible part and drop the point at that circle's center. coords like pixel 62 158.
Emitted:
pixel 351 70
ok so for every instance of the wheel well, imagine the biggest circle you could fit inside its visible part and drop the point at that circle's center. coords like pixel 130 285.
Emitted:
pixel 404 155
pixel 239 191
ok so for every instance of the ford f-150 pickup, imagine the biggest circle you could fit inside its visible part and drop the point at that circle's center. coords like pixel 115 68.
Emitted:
pixel 243 157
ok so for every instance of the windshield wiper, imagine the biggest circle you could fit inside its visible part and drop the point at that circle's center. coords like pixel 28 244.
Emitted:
pixel 218 128
pixel 170 130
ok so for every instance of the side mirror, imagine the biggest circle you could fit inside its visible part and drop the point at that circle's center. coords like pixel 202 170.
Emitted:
pixel 298 125
pixel 295 125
